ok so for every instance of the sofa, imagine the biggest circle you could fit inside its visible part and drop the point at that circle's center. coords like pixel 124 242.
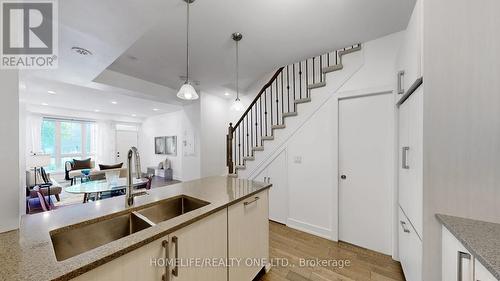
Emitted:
pixel 72 172
pixel 55 188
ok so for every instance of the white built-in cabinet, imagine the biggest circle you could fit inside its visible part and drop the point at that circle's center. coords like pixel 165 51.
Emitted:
pixel 410 185
pixel 409 64
pixel 458 263
pixel 248 233
pixel 240 232
pixel 276 173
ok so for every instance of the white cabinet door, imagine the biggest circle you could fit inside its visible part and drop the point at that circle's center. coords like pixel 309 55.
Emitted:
pixel 136 265
pixel 455 258
pixel 276 174
pixel 203 240
pixel 278 193
pixel 411 159
pixel 410 249
pixel 410 55
pixel 248 240
pixel 481 273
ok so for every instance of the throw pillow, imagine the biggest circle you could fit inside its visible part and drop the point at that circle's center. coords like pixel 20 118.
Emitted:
pixel 109 167
pixel 81 164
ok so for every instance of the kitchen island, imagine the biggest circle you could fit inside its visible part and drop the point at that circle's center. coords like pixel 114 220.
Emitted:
pixel 220 218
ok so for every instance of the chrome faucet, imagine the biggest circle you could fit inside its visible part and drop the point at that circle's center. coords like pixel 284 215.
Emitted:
pixel 133 152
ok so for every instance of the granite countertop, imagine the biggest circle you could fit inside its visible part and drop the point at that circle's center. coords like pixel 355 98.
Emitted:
pixel 481 238
pixel 27 253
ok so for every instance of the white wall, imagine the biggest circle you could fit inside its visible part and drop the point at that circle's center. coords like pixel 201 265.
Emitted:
pixel 183 124
pixel 10 149
pixel 313 183
pixel 461 117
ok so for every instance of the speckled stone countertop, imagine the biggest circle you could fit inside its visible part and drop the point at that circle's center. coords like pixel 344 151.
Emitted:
pixel 27 253
pixel 481 238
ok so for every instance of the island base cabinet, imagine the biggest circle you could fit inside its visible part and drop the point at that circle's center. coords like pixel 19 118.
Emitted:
pixel 200 250
pixel 136 265
pixel 457 262
pixel 248 237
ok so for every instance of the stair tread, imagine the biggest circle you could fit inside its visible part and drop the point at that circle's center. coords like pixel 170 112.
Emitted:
pixel 268 138
pixel 303 100
pixel 257 148
pixel 240 167
pixel 316 85
pixel 291 113
pixel 332 68
pixel 234 175
pixel 348 51
pixel 282 126
pixel 251 158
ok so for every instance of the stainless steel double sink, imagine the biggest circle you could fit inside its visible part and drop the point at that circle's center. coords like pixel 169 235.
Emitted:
pixel 76 239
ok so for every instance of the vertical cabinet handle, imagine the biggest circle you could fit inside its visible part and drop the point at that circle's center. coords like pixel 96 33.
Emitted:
pixel 401 75
pixel 166 275
pixel 404 157
pixel 461 257
pixel 175 271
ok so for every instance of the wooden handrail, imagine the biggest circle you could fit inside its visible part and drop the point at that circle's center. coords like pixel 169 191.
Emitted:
pixel 263 90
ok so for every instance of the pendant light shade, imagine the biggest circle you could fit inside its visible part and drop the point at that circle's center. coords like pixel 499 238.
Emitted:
pixel 187 91
pixel 237 105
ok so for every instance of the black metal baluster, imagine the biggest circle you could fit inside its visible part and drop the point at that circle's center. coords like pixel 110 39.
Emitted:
pixel 328 59
pixel 336 57
pixel 239 144
pixel 271 104
pixel 282 99
pixel 288 86
pixel 307 79
pixel 256 129
pixel 300 80
pixel 251 128
pixel 248 143
pixel 265 108
pixel 260 101
pixel 320 68
pixel 277 104
pixel 314 66
pixel 294 82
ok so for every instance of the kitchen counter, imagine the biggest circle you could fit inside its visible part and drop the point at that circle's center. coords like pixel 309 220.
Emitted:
pixel 27 253
pixel 481 238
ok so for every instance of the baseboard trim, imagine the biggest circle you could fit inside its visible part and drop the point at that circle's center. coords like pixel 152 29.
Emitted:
pixel 310 228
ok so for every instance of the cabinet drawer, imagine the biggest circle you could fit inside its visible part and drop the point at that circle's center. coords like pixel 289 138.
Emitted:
pixel 410 249
pixel 248 236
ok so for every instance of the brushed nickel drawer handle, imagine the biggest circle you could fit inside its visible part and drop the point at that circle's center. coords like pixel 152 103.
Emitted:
pixel 250 202
pixel 461 256
pixel 175 271
pixel 405 165
pixel 166 276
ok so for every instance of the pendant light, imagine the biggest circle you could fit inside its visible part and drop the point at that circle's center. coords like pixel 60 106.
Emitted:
pixel 237 105
pixel 187 91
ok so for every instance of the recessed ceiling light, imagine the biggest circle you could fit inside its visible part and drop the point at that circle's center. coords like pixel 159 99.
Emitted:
pixel 114 102
pixel 134 115
pixel 226 94
pixel 155 109
pixel 44 103
pixel 51 92
pixel 96 110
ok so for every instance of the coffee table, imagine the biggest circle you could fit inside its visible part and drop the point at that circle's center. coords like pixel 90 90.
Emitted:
pixel 99 186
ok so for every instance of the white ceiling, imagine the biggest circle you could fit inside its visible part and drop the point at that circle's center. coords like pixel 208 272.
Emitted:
pixel 139 46
pixel 275 33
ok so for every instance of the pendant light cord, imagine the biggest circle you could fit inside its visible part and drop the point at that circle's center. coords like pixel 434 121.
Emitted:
pixel 237 73
pixel 187 44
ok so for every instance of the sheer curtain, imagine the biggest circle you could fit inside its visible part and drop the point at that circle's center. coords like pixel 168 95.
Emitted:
pixel 33 134
pixel 104 141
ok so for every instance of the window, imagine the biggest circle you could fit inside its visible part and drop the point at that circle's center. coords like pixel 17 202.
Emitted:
pixel 67 140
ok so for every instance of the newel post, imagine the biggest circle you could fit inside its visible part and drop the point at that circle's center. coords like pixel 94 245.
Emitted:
pixel 229 148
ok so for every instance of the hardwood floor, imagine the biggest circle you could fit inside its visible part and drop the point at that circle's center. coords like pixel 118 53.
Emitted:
pixel 293 245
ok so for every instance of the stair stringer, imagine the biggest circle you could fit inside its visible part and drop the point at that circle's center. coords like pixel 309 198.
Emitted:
pixel 334 81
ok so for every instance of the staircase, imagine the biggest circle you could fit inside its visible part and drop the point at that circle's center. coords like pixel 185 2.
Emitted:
pixel 278 100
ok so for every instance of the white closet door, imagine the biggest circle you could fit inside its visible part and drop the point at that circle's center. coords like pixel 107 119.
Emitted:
pixel 278 194
pixel 366 163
